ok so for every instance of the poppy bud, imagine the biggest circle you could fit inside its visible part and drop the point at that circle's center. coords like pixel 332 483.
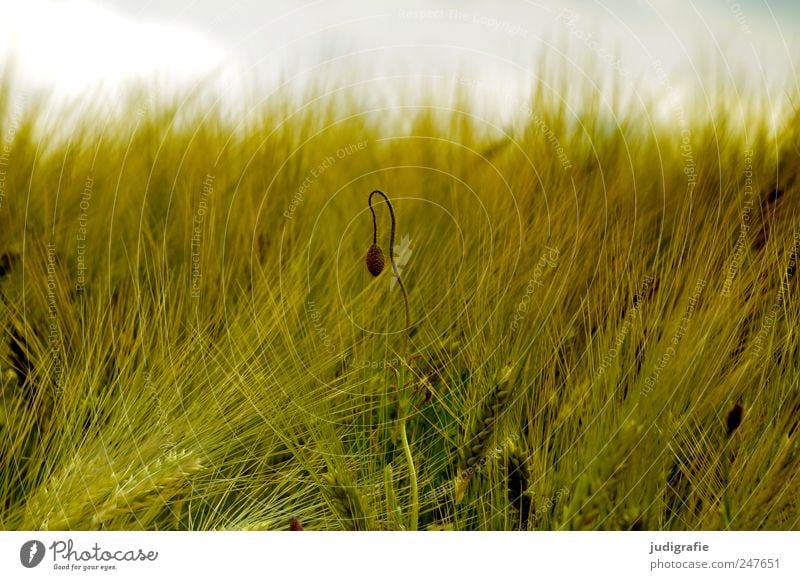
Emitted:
pixel 375 260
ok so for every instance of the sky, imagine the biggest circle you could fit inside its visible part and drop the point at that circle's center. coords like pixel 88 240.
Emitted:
pixel 72 46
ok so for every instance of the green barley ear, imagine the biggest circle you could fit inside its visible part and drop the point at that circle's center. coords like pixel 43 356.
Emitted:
pixel 599 499
pixel 346 499
pixel 479 435
pixel 116 500
pixel 157 483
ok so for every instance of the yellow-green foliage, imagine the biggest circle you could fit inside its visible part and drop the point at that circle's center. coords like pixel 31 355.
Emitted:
pixel 191 338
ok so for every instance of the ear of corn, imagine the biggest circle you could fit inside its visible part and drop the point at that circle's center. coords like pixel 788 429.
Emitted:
pixel 479 437
pixel 347 501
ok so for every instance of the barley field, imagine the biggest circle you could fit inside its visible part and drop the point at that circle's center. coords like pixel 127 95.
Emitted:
pixel 586 318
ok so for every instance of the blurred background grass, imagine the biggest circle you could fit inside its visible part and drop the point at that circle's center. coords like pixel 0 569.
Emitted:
pixel 191 339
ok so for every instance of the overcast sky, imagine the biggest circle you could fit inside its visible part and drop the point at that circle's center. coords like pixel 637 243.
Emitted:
pixel 75 45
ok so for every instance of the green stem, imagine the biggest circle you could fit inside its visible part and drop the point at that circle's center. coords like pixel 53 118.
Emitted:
pixel 391 499
pixel 726 506
pixel 413 524
pixel 401 375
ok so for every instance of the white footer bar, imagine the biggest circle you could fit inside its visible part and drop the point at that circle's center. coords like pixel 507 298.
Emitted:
pixel 386 555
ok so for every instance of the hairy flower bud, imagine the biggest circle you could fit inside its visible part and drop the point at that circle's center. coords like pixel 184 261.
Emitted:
pixel 375 260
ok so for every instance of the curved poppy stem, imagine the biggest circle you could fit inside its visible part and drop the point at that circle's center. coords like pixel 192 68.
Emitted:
pixel 391 259
pixel 401 373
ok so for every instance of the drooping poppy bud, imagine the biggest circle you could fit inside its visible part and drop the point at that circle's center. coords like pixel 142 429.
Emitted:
pixel 375 260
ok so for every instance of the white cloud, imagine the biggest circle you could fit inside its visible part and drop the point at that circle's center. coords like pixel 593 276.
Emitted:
pixel 74 45
pixel 77 45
